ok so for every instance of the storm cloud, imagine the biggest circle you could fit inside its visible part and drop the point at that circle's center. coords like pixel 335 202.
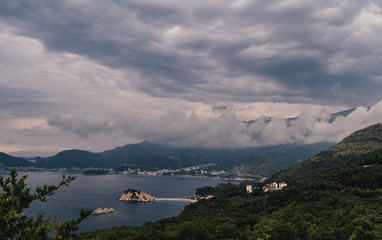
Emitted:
pixel 244 51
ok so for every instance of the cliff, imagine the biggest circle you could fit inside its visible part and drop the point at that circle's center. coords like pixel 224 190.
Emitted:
pixel 136 196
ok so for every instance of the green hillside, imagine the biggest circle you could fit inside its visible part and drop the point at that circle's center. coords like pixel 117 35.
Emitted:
pixel 344 202
pixel 363 141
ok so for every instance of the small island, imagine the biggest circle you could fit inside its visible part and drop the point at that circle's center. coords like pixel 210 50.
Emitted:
pixel 132 195
pixel 103 211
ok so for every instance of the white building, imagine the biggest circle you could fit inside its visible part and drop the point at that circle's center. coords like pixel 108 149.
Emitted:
pixel 274 186
pixel 249 188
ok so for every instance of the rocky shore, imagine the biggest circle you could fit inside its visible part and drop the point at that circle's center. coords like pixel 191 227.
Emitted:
pixel 103 211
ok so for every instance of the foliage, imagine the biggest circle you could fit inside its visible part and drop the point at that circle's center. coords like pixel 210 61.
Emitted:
pixel 208 190
pixel 359 143
pixel 15 196
pixel 132 191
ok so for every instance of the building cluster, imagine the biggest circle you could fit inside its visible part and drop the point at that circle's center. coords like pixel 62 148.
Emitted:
pixel 267 187
pixel 274 186
pixel 60 169
pixel 199 170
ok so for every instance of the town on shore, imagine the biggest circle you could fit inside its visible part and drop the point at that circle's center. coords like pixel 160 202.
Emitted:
pixel 202 170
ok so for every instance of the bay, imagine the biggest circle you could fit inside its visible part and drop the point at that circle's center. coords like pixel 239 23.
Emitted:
pixel 90 192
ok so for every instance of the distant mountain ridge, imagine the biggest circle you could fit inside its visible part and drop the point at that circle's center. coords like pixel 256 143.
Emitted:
pixel 360 142
pixel 153 156
pixel 70 158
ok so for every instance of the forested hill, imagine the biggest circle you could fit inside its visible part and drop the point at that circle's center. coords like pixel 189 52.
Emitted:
pixel 342 203
pixel 10 161
pixel 363 141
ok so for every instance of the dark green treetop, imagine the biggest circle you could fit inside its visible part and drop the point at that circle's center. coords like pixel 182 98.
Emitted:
pixel 15 196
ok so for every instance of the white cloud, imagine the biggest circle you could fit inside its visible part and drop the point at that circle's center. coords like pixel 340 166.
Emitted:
pixel 179 128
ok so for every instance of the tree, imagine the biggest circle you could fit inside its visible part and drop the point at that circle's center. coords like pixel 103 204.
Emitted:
pixel 16 196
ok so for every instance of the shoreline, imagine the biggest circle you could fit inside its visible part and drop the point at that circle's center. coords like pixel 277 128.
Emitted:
pixel 6 170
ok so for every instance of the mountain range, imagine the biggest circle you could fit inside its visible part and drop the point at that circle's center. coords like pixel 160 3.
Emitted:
pixel 151 156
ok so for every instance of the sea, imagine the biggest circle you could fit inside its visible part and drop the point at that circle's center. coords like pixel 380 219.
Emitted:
pixel 93 191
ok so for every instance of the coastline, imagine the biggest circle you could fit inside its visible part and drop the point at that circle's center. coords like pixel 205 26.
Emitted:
pixel 104 190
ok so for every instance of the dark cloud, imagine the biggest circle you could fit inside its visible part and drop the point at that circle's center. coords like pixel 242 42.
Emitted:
pixel 196 50
pixel 82 126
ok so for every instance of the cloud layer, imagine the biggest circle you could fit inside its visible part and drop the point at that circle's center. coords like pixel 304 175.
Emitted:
pixel 178 128
pixel 244 51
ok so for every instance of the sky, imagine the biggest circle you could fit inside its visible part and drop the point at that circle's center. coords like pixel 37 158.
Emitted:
pixel 94 75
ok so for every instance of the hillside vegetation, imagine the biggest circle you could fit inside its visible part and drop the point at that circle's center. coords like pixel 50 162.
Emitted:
pixel 361 142
pixel 10 161
pixel 344 202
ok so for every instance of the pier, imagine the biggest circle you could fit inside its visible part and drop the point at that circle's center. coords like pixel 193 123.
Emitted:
pixel 176 199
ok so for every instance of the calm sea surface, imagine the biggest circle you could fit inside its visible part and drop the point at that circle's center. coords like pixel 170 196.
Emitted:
pixel 90 192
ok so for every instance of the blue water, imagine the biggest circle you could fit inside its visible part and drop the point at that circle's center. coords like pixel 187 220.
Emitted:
pixel 90 192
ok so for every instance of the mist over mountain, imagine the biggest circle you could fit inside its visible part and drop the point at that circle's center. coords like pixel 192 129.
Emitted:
pixel 289 121
pixel 224 128
pixel 261 160
pixel 227 130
